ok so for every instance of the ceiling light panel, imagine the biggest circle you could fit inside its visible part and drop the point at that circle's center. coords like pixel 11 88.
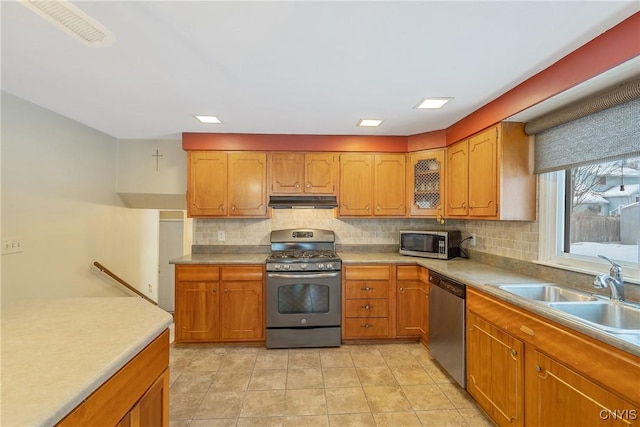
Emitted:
pixel 369 122
pixel 432 103
pixel 208 119
pixel 72 21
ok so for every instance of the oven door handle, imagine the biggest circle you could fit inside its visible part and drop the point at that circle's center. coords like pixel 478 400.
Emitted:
pixel 303 276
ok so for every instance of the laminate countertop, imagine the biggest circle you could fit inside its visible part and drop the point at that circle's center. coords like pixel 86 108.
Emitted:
pixel 56 352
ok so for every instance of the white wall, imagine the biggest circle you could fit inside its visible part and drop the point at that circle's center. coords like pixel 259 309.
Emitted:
pixel 58 194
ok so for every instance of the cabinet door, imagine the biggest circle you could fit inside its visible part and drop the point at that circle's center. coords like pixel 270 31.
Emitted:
pixel 206 183
pixel 196 315
pixel 483 173
pixel 495 371
pixel 320 173
pixel 413 303
pixel 153 408
pixel 287 173
pixel 241 310
pixel 426 183
pixel 247 184
pixel 562 397
pixel 389 190
pixel 356 184
pixel 457 186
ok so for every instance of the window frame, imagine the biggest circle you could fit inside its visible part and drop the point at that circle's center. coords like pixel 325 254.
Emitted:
pixel 552 233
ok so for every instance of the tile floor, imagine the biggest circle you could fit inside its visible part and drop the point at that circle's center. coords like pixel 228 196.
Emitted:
pixel 354 385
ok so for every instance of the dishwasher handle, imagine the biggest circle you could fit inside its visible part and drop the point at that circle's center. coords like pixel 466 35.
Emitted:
pixel 449 285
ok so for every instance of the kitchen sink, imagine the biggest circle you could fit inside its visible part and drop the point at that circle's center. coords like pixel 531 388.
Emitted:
pixel 547 292
pixel 609 316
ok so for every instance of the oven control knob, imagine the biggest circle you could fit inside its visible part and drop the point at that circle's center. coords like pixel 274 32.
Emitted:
pixel 320 266
pixel 303 321
pixel 277 266
pixel 329 266
pixel 303 266
pixel 287 266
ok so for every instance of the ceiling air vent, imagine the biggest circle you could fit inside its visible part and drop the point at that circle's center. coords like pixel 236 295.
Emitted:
pixel 73 21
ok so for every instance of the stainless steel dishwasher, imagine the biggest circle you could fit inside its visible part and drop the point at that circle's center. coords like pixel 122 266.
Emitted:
pixel 447 325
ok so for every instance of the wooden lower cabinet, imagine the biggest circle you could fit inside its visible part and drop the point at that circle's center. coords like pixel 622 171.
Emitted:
pixel 523 369
pixel 217 303
pixel 495 371
pixel 412 293
pixel 366 293
pixel 135 396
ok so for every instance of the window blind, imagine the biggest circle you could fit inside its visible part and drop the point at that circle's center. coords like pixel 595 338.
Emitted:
pixel 607 135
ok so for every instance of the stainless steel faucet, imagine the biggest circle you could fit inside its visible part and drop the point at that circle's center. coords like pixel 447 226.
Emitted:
pixel 613 280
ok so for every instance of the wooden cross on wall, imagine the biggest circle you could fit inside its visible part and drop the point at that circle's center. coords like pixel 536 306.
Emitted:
pixel 157 156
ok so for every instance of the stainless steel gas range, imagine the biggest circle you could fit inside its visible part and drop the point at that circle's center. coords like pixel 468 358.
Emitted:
pixel 303 289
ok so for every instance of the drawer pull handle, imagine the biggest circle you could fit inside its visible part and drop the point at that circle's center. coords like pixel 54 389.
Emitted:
pixel 367 289
pixel 527 330
pixel 367 307
pixel 513 352
pixel 366 325
pixel 401 290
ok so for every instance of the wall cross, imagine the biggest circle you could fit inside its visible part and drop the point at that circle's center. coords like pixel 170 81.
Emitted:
pixel 157 156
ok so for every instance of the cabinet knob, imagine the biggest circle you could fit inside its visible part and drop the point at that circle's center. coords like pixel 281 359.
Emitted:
pixel 221 207
pixel 368 208
pixel 401 290
pixel 297 185
pixel 513 352
pixel 538 368
pixel 308 185
pixel 226 290
pixel 233 208
pixel 378 207
pixel 367 289
pixel 367 307
pixel 366 325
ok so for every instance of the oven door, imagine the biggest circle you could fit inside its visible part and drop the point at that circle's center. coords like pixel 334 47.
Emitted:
pixel 303 299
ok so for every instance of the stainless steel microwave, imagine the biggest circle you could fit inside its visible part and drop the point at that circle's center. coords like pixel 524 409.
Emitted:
pixel 430 244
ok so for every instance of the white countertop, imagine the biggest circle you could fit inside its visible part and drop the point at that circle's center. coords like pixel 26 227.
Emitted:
pixel 56 352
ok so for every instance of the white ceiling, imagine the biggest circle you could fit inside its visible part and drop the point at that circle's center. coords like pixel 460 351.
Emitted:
pixel 290 67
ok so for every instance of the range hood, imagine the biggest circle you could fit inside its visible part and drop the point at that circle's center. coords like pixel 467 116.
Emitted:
pixel 303 202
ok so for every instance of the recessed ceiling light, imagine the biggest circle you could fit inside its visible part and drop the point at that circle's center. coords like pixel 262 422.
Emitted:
pixel 369 122
pixel 432 102
pixel 208 119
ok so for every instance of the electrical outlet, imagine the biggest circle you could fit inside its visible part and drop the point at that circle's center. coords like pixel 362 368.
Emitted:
pixel 221 236
pixel 150 288
pixel 473 239
pixel 12 245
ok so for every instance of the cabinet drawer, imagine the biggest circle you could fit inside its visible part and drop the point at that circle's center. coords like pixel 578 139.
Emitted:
pixel 240 273
pixel 408 272
pixel 367 308
pixel 367 289
pixel 367 272
pixel 197 273
pixel 366 328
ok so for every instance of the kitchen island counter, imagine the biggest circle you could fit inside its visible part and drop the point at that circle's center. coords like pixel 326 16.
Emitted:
pixel 56 352
pixel 222 258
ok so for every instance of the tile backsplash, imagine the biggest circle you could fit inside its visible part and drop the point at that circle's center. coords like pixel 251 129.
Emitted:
pixel 512 239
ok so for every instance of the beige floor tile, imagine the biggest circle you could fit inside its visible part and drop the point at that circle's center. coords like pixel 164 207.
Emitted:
pixel 179 423
pixel 335 359
pixel 476 418
pixel 263 403
pixel 304 378
pixel 441 418
pixel 307 401
pixel 209 363
pixel 192 382
pixel 426 397
pixel 411 374
pixel 376 375
pixel 268 379
pixel 231 380
pixel 307 421
pixel 220 404
pixel 260 422
pixel 349 400
pixel 352 420
pixel 238 362
pixel 367 356
pixel 304 359
pixel 457 396
pixel 401 356
pixel 183 406
pixel 437 373
pixel 396 419
pixel 214 422
pixel 340 377
pixel 386 399
pixel 272 359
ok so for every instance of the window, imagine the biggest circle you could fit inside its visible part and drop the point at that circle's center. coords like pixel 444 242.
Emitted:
pixel 592 210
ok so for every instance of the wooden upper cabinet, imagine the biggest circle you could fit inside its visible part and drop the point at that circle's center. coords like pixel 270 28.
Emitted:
pixel 425 183
pixel 303 173
pixel 372 185
pixel 490 175
pixel 457 179
pixel 206 183
pixel 248 184
pixel 221 184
